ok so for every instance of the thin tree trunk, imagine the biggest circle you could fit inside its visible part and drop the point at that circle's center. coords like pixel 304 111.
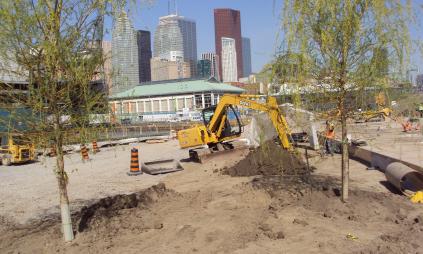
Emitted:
pixel 345 157
pixel 62 181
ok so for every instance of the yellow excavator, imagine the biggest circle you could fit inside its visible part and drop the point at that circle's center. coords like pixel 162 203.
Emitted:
pixel 222 125
pixel 15 149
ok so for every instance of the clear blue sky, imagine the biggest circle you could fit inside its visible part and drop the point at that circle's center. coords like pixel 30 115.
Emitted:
pixel 259 20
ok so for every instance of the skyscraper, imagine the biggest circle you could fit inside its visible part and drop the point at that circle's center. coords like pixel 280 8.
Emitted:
pixel 124 54
pixel 144 55
pixel 229 60
pixel 227 23
pixel 214 62
pixel 246 56
pixel 107 66
pixel 175 39
pixel 204 68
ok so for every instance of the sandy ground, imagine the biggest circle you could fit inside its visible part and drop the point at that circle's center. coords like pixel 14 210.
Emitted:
pixel 30 191
pixel 201 210
pixel 388 137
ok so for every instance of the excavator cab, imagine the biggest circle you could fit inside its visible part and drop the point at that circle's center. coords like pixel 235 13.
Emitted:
pixel 229 123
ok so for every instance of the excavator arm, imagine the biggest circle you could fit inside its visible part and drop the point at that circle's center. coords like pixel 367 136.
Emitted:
pixel 270 107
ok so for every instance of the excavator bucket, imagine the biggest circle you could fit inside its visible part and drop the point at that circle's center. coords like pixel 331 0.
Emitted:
pixel 203 155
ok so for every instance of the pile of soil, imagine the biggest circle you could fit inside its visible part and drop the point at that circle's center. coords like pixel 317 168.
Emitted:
pixel 101 211
pixel 101 218
pixel 269 159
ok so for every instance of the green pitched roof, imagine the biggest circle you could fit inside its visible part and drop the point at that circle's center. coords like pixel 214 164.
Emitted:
pixel 174 88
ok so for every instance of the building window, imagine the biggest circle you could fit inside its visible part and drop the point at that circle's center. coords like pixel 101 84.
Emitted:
pixel 198 101
pixel 133 107
pixel 189 103
pixel 163 104
pixel 207 100
pixel 119 108
pixel 148 106
pixel 156 106
pixel 181 103
pixel 216 99
pixel 140 107
pixel 126 107
pixel 172 104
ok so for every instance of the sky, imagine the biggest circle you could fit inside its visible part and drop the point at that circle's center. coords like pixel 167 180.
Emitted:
pixel 260 21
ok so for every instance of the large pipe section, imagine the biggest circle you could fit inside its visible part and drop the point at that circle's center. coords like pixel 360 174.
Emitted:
pixel 404 178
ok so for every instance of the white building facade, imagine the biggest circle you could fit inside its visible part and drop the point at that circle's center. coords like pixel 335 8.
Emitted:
pixel 229 60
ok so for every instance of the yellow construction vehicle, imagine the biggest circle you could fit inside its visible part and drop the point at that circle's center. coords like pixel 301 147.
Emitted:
pixel 15 148
pixel 218 130
pixel 368 115
pixel 379 112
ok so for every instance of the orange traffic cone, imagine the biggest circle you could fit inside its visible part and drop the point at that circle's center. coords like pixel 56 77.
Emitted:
pixel 135 165
pixel 84 153
pixel 95 147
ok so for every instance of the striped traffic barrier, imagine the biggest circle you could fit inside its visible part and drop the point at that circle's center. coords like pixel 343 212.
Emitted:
pixel 135 164
pixel 84 153
pixel 95 147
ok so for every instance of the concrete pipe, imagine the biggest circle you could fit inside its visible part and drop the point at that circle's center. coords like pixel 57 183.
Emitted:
pixel 404 178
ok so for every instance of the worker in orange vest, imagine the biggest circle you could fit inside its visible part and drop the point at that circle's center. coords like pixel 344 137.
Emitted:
pixel 407 126
pixel 330 136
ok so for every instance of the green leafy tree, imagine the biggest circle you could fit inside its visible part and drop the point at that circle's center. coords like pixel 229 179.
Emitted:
pixel 344 48
pixel 56 46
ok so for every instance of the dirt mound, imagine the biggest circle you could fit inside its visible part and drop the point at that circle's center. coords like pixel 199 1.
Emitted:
pixel 102 218
pixel 269 159
pixel 104 209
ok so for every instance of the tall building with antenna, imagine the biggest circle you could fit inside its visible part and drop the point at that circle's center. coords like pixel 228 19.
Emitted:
pixel 175 39
pixel 124 54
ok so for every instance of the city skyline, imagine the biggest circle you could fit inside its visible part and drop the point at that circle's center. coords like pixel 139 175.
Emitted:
pixel 261 23
pixel 146 18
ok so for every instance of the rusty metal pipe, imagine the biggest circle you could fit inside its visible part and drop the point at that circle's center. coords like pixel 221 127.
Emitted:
pixel 404 178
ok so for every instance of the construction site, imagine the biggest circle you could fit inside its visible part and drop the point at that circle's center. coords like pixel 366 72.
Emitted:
pixel 316 146
pixel 260 193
